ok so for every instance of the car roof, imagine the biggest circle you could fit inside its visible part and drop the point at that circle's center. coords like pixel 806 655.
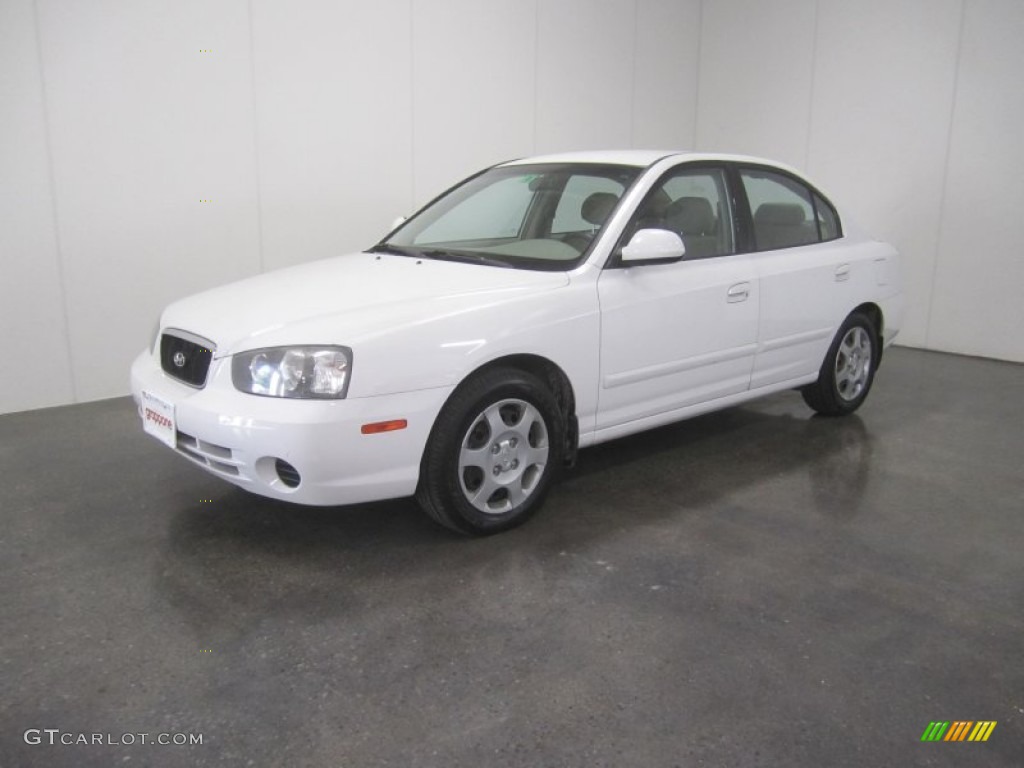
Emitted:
pixel 640 158
pixel 637 157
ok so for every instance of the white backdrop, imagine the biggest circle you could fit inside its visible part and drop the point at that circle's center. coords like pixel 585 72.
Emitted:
pixel 150 149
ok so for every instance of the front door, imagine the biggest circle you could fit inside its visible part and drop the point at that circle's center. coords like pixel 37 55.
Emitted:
pixel 678 334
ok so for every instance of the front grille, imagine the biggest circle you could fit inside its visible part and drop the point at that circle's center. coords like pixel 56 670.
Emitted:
pixel 186 359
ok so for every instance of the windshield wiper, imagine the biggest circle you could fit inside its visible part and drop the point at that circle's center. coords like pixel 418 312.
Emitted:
pixel 396 250
pixel 463 257
pixel 440 254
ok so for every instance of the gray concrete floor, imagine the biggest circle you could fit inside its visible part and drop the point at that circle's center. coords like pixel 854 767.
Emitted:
pixel 751 588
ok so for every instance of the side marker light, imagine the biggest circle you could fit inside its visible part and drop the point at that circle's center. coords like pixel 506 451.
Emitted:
pixel 383 426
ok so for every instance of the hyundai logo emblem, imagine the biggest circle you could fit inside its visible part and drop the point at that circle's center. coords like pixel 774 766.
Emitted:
pixel 179 359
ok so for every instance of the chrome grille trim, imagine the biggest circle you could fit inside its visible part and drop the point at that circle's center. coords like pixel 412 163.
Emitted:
pixel 186 356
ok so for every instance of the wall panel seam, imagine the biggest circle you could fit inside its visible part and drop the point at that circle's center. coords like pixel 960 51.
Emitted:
pixel 256 142
pixel 632 91
pixel 536 69
pixel 945 177
pixel 696 91
pixel 54 207
pixel 412 106
pixel 814 81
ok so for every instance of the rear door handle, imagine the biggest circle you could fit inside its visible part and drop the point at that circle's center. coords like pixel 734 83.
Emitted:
pixel 738 292
pixel 842 273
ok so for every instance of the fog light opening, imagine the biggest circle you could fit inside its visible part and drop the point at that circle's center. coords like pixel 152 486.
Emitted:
pixel 287 474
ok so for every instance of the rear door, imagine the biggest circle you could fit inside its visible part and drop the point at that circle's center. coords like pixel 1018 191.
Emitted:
pixel 803 270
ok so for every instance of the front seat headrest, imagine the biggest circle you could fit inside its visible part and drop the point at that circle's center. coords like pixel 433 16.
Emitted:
pixel 597 207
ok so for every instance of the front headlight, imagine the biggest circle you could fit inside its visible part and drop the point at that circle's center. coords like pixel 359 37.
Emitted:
pixel 309 372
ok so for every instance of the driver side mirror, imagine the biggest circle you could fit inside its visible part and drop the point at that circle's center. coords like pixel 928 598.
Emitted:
pixel 653 245
pixel 397 223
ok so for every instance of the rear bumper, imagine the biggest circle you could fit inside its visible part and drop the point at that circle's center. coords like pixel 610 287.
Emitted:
pixel 240 437
pixel 893 309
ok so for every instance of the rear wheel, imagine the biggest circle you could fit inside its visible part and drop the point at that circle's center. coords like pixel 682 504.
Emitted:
pixel 846 375
pixel 492 454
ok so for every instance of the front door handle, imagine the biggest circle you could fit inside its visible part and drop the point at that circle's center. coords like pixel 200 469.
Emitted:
pixel 738 292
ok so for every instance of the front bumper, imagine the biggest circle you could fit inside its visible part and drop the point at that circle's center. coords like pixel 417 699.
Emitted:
pixel 239 437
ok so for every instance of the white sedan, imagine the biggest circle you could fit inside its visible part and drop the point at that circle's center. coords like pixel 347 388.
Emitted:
pixel 541 306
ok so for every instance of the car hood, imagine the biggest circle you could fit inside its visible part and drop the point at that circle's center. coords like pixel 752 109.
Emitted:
pixel 346 299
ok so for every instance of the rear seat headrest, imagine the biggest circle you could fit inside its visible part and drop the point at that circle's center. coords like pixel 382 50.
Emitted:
pixel 780 214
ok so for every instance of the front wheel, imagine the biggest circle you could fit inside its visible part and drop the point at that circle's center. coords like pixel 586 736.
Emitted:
pixel 492 454
pixel 846 375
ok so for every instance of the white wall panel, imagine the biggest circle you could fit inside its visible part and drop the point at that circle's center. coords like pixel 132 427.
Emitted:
pixel 310 125
pixel 474 70
pixel 756 77
pixel 32 331
pixel 883 95
pixel 977 307
pixel 584 74
pixel 334 121
pixel 665 74
pixel 143 127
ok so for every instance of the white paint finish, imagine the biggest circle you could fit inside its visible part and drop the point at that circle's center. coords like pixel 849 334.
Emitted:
pixel 334 124
pixel 144 126
pixel 584 74
pixel 32 329
pixel 977 307
pixel 473 83
pixel 806 294
pixel 756 78
pixel 657 301
pixel 665 73
pixel 878 156
pixel 451 318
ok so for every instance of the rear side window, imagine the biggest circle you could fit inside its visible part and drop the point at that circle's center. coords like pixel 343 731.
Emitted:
pixel 786 213
pixel 828 221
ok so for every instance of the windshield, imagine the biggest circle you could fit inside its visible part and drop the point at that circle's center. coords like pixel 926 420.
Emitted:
pixel 541 216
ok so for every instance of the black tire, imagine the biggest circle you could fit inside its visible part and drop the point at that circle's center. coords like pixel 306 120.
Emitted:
pixel 516 467
pixel 848 370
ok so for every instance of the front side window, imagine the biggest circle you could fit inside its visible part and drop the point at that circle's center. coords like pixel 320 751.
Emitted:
pixel 693 203
pixel 541 216
pixel 785 212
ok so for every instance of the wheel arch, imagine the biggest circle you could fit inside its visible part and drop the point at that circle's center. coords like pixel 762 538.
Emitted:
pixel 551 374
pixel 874 312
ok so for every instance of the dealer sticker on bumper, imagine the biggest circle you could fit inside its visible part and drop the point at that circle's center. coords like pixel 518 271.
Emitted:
pixel 158 418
